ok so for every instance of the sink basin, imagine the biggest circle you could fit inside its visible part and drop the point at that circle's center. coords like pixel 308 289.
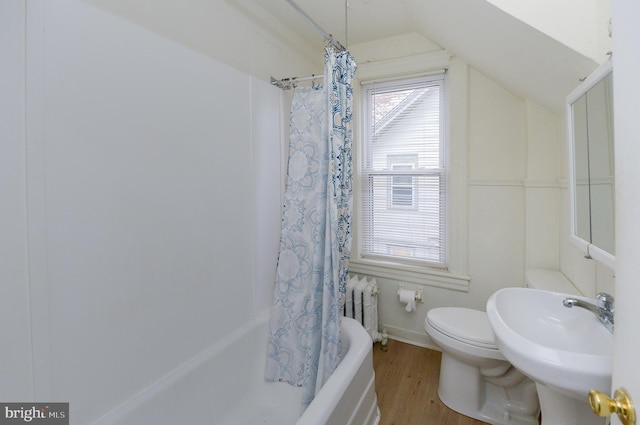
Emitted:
pixel 566 349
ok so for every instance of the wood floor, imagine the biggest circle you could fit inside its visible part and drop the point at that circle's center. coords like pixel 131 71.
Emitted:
pixel 407 387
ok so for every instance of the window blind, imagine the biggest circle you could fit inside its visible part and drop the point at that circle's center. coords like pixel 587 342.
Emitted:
pixel 403 171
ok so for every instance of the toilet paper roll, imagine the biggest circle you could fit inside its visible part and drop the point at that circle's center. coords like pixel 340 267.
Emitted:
pixel 408 297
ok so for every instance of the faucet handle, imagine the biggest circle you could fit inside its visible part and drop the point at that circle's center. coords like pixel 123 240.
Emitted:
pixel 605 301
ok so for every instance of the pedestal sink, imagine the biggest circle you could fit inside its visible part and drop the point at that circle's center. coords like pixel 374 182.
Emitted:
pixel 566 351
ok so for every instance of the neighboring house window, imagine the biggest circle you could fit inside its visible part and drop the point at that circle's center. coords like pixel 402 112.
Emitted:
pixel 403 200
pixel 402 186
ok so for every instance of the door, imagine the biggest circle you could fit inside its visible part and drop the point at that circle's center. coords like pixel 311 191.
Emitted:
pixel 626 81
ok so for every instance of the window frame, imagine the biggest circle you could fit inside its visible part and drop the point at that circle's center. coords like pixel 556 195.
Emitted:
pixel 457 277
pixel 366 175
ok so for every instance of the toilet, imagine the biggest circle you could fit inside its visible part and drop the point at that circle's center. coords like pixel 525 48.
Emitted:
pixel 475 379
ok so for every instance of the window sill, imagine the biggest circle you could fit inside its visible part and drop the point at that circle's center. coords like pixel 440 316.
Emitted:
pixel 411 274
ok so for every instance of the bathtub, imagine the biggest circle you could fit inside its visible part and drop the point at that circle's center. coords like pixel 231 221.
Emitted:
pixel 225 386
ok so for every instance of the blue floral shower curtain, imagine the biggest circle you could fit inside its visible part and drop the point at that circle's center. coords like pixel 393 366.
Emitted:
pixel 315 242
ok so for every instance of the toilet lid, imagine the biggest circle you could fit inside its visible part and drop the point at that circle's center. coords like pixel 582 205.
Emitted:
pixel 464 324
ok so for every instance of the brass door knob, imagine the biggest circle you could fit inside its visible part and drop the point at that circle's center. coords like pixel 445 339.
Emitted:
pixel 621 404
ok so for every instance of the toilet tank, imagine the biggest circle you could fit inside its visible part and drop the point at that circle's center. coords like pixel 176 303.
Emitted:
pixel 549 280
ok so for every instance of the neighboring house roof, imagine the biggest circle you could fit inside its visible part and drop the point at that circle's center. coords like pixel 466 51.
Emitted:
pixel 404 106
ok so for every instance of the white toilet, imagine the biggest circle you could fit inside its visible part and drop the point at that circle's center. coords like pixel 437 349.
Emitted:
pixel 475 379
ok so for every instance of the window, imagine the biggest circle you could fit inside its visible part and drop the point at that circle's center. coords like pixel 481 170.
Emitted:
pixel 402 186
pixel 403 200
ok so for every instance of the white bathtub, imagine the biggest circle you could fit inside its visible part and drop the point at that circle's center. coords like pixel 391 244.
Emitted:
pixel 225 386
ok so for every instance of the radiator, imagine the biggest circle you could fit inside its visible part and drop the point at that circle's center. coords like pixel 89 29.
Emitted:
pixel 361 303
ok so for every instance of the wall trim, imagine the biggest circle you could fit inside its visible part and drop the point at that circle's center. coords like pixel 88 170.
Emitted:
pixel 393 68
pixel 412 274
pixel 410 337
pixel 549 184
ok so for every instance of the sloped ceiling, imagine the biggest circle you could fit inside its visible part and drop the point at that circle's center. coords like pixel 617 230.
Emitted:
pixel 514 54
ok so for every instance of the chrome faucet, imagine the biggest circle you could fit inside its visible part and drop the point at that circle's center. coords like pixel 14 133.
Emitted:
pixel 603 308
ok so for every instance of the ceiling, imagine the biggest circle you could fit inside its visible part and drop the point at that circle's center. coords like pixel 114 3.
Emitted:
pixel 514 54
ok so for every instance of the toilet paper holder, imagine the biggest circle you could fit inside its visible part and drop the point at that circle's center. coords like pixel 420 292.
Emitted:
pixel 418 291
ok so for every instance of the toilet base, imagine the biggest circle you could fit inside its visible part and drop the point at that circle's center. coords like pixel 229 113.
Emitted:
pixel 463 388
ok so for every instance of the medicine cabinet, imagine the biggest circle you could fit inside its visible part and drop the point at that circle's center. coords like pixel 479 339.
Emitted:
pixel 592 183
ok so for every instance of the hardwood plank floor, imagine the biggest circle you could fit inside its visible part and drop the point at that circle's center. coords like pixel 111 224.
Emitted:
pixel 407 387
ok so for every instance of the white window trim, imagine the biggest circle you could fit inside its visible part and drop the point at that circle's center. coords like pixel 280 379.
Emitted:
pixel 456 277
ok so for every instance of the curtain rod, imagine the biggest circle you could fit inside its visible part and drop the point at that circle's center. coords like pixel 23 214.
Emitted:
pixel 291 82
pixel 335 43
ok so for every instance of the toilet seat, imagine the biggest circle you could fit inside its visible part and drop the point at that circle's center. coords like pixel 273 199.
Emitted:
pixel 463 324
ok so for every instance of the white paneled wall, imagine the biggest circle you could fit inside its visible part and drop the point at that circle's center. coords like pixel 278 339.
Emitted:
pixel 267 167
pixel 15 333
pixel 497 167
pixel 545 164
pixel 151 186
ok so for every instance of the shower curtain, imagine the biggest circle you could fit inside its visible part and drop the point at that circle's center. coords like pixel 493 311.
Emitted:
pixel 315 242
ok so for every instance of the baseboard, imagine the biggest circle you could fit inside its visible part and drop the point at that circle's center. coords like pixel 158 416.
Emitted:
pixel 410 337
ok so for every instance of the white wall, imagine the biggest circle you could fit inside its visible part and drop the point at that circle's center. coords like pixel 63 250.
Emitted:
pixel 544 164
pixel 149 176
pixel 579 24
pixel 268 164
pixel 15 331
pixel 238 33
pixel 496 193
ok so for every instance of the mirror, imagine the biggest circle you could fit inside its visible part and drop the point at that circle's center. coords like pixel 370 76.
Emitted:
pixel 590 117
